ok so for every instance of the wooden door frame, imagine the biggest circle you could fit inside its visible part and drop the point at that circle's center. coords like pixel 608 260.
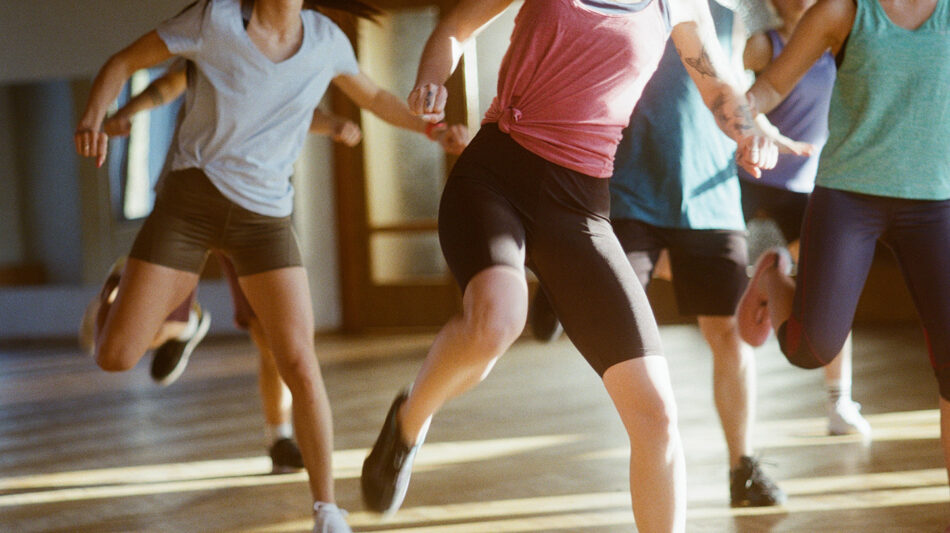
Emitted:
pixel 365 305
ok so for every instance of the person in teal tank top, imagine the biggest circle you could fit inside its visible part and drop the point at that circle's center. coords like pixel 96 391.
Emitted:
pixel 884 175
pixel 675 188
pixel 781 195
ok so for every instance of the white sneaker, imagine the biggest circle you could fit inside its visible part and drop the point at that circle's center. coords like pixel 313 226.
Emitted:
pixel 844 418
pixel 328 518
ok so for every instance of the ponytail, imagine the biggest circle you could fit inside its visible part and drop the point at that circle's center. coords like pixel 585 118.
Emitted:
pixel 353 7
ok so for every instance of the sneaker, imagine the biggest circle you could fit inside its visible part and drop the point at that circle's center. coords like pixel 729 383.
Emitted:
pixel 285 456
pixel 90 317
pixel 844 418
pixel 544 323
pixel 328 518
pixel 171 358
pixel 750 487
pixel 387 468
pixel 752 314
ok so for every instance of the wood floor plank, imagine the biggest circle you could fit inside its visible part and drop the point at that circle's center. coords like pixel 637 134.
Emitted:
pixel 535 448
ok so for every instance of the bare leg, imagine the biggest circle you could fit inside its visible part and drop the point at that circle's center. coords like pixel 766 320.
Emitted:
pixel 495 307
pixel 734 383
pixel 641 391
pixel 275 396
pixel 147 293
pixel 281 300
pixel 840 368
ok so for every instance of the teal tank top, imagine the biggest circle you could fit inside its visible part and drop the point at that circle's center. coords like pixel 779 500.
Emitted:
pixel 889 124
pixel 674 168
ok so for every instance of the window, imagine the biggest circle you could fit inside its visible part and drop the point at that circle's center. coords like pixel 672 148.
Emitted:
pixel 137 162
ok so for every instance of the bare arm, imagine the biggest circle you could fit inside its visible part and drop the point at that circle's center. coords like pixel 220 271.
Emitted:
pixel 721 91
pixel 758 53
pixel 443 51
pixel 158 93
pixel 336 127
pixel 387 106
pixel 718 83
pixel 147 51
pixel 825 26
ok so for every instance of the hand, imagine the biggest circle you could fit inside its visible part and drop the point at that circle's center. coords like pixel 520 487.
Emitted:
pixel 348 133
pixel 785 145
pixel 760 149
pixel 91 143
pixel 755 153
pixel 428 101
pixel 454 138
pixel 117 126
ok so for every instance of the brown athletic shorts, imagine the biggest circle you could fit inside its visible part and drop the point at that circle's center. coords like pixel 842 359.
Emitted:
pixel 191 217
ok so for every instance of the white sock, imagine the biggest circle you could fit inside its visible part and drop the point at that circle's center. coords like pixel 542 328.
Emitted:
pixel 191 327
pixel 275 432
pixel 838 390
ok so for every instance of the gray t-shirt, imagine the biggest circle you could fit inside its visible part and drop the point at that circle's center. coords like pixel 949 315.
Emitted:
pixel 246 117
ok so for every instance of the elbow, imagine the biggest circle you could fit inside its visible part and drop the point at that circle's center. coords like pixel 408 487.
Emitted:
pixel 118 66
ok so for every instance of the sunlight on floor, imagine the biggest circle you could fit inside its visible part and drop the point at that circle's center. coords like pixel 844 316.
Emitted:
pixel 548 513
pixel 240 472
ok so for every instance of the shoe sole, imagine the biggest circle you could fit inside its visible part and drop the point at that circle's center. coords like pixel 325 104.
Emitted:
pixel 203 325
pixel 754 325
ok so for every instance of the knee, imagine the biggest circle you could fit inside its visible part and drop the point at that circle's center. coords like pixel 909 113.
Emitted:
pixel 655 416
pixel 802 352
pixel 296 362
pixel 721 333
pixel 494 326
pixel 115 357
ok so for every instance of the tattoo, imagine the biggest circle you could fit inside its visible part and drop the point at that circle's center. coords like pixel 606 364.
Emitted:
pixel 702 64
pixel 739 121
pixel 718 109
pixel 155 95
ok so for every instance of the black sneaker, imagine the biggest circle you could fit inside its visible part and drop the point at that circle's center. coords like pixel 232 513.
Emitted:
pixel 171 358
pixel 285 457
pixel 544 323
pixel 388 466
pixel 750 487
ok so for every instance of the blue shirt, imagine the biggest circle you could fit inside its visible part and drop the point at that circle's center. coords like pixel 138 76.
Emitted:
pixel 674 167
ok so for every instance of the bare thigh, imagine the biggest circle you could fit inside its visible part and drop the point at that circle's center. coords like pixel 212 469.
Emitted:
pixel 147 294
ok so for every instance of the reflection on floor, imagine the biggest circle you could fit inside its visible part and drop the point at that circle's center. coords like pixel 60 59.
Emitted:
pixel 535 448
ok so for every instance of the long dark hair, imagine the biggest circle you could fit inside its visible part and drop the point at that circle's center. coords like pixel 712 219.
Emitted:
pixel 353 7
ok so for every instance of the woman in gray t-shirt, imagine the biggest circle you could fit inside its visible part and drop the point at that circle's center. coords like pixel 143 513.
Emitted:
pixel 246 114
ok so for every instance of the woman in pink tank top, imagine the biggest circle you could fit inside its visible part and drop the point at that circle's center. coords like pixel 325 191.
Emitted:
pixel 530 189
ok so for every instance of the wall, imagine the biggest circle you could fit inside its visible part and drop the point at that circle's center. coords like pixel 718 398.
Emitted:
pixel 68 39
pixel 40 207
pixel 11 241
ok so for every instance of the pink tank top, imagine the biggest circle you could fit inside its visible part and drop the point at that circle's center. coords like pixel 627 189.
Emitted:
pixel 572 76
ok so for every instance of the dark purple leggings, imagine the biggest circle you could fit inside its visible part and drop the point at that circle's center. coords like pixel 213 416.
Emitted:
pixel 839 235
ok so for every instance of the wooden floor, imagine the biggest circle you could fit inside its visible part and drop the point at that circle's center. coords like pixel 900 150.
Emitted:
pixel 537 447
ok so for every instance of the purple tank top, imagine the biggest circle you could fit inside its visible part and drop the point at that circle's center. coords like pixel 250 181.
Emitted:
pixel 802 116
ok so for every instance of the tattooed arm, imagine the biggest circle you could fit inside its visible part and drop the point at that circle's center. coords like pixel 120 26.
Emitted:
pixel 718 81
pixel 714 74
pixel 158 93
pixel 825 26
